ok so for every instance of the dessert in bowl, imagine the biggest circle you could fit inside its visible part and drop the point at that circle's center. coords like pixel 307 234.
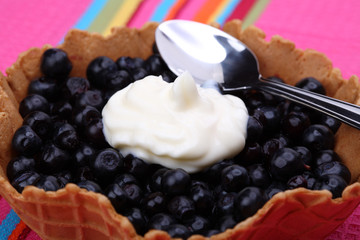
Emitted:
pixel 76 213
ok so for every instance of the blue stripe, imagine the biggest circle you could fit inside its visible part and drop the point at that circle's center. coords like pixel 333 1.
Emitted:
pixel 90 14
pixel 227 11
pixel 162 10
pixel 9 224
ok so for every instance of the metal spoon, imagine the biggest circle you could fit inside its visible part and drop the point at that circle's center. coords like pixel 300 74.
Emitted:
pixel 211 54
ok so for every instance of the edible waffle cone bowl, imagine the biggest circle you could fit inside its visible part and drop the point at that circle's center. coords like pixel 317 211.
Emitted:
pixel 74 213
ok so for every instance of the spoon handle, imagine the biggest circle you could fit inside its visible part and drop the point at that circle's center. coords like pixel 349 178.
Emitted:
pixel 343 111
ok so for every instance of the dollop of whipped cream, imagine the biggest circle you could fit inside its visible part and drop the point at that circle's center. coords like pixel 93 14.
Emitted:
pixel 177 125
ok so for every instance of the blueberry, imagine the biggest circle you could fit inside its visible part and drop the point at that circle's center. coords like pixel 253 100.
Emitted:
pixel 155 64
pixel 33 102
pixel 168 76
pixel 90 98
pixel 19 165
pixel 75 86
pixel 254 129
pixel 294 124
pixel 53 159
pixel 296 182
pixel 325 156
pixel 226 222
pixel 46 87
pixel 107 164
pixel 134 193
pixel 330 122
pixel 225 205
pixel 118 197
pixel 136 166
pixel 333 168
pixel 98 69
pixel 40 122
pixel 65 137
pixel 252 153
pixel 82 117
pixel 94 133
pixel 25 141
pixel 118 80
pixel 175 182
pixel 130 64
pixel 156 178
pixel 259 175
pixel 125 178
pixel 286 163
pixel 139 73
pixel 83 155
pixel 273 119
pixel 55 63
pixel 178 231
pixel 202 198
pixel 310 179
pixel 213 173
pixel 181 207
pixel 270 147
pixel 62 109
pixel 48 183
pixel 64 178
pixel 274 188
pixel 249 201
pixel 234 178
pixel 137 218
pixel 90 186
pixel 25 179
pixel 84 173
pixel 161 221
pixel 305 154
pixel 197 224
pixel 154 203
pixel 318 137
pixel 311 84
pixel 333 183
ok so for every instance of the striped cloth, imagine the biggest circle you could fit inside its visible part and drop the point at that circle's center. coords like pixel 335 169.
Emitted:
pixel 330 26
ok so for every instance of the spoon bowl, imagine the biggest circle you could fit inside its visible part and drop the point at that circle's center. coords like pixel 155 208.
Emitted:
pixel 210 54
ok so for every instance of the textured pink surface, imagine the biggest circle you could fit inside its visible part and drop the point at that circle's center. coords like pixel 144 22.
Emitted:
pixel 5 209
pixel 26 24
pixel 328 26
pixel 143 13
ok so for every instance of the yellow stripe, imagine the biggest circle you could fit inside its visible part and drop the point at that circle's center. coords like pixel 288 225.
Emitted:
pixel 122 15
pixel 254 13
pixel 218 11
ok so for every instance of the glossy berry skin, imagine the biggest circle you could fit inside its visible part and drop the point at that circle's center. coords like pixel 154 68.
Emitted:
pixel 53 159
pixel 197 224
pixel 305 154
pixel 40 122
pixel 333 183
pixel 325 156
pixel 130 64
pixel 25 179
pixel 225 205
pixel 181 207
pixel 48 183
pixel 137 218
pixel 118 80
pixel 136 166
pixel 90 186
pixel 178 231
pixel 107 164
pixel 272 117
pixel 156 178
pixel 286 163
pixel 55 63
pixel 254 129
pixel 226 222
pixel 155 64
pixel 296 182
pixel 202 197
pixel 46 87
pixel 318 137
pixel 125 178
pixel 82 117
pixel 118 197
pixel 175 182
pixel 65 136
pixel 83 155
pixel 249 201
pixel 330 122
pixel 259 175
pixel 311 84
pixel 90 98
pixel 25 141
pixel 94 133
pixel 161 221
pixel 32 103
pixel 154 203
pixel 18 165
pixel 234 178
pixel 98 69
pixel 75 86
pixel 294 124
pixel 333 168
pixel 274 188
pixel 62 109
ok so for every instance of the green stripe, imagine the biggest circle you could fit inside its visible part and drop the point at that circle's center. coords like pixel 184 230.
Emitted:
pixel 105 16
pixel 254 12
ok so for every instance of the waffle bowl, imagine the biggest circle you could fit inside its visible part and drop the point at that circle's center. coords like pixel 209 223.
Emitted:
pixel 74 213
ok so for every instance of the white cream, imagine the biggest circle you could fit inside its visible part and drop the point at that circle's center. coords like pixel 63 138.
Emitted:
pixel 177 125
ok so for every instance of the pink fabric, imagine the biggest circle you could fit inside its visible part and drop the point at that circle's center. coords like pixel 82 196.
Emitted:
pixel 18 34
pixel 143 13
pixel 190 9
pixel 5 209
pixel 328 26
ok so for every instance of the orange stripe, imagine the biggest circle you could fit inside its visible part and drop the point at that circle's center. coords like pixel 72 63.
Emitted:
pixel 17 231
pixel 206 11
pixel 175 9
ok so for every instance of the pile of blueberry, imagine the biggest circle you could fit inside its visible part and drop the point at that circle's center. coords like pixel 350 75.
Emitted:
pixel 61 141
